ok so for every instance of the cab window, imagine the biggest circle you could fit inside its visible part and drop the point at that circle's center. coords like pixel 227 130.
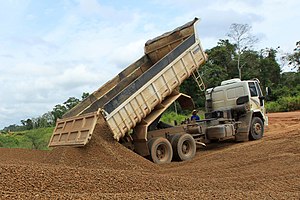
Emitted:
pixel 258 89
pixel 253 90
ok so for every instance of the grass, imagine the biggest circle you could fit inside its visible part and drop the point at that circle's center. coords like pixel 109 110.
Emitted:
pixel 284 104
pixel 31 139
pixel 170 117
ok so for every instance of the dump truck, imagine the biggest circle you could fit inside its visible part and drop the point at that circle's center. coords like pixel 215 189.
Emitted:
pixel 133 102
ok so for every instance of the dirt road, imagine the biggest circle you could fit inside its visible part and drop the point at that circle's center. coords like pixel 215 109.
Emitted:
pixel 263 169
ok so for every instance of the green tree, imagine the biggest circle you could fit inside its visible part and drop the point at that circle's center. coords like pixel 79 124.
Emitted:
pixel 222 55
pixel 28 124
pixel 250 60
pixel 213 75
pixel 294 58
pixel 243 40
pixel 84 95
pixel 14 127
pixel 71 102
pixel 269 69
pixel 46 120
pixel 291 80
pixel 58 111
pixel 220 65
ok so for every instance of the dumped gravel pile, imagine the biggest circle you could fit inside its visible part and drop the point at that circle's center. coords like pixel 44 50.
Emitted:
pixel 263 169
pixel 21 155
pixel 101 152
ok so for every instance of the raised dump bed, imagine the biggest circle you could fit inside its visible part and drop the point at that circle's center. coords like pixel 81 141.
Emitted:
pixel 134 93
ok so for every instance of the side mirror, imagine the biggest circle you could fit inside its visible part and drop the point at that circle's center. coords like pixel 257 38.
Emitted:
pixel 262 97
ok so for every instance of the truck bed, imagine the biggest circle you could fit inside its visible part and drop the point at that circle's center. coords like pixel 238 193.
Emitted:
pixel 128 98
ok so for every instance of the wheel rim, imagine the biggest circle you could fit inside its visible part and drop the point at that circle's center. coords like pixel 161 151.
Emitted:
pixel 161 152
pixel 257 128
pixel 186 147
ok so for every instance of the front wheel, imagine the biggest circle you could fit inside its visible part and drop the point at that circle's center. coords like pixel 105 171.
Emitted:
pixel 160 150
pixel 256 129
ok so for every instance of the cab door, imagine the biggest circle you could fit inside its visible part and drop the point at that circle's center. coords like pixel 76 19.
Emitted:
pixel 254 100
pixel 256 97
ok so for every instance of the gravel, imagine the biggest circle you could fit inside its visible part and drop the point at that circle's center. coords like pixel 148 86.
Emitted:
pixel 104 169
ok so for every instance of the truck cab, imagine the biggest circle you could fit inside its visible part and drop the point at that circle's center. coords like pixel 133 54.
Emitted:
pixel 242 101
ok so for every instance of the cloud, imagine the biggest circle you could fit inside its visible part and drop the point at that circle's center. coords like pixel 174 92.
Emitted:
pixel 90 6
pixel 216 16
pixel 77 55
pixel 37 94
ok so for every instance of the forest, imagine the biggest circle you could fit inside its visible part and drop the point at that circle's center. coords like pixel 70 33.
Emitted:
pixel 233 57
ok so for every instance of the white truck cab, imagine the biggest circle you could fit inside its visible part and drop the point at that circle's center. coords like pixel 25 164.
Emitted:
pixel 244 102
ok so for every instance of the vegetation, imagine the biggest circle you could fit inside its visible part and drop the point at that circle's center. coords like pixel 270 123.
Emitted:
pixel 170 117
pixel 294 58
pixel 284 104
pixel 29 139
pixel 243 40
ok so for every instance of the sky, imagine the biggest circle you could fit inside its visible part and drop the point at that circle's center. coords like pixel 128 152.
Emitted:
pixel 55 49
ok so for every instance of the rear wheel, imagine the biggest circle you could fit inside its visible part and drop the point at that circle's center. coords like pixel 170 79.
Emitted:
pixel 184 147
pixel 256 129
pixel 160 150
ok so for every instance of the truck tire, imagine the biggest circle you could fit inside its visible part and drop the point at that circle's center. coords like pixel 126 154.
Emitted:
pixel 184 147
pixel 160 150
pixel 256 129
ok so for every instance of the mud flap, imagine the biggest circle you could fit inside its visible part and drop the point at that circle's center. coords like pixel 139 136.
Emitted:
pixel 244 127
